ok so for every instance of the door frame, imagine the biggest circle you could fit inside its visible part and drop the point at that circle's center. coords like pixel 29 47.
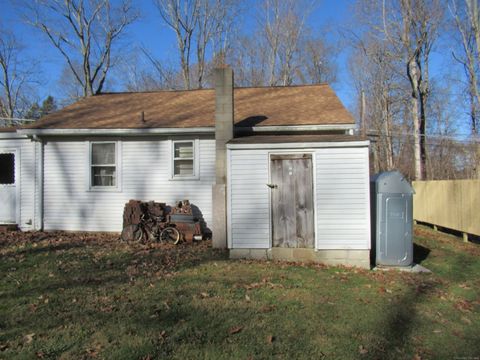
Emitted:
pixel 17 166
pixel 312 153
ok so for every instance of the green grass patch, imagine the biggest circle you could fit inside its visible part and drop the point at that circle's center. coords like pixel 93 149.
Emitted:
pixel 74 296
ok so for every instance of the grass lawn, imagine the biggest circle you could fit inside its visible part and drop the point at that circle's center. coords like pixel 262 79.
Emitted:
pixel 76 296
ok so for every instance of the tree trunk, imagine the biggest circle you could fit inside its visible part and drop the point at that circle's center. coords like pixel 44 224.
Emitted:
pixel 416 139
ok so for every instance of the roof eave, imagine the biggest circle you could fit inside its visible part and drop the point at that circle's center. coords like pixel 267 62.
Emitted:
pixel 293 128
pixel 182 131
pixel 300 145
pixel 122 132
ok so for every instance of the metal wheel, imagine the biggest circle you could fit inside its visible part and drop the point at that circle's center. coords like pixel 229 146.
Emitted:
pixel 170 234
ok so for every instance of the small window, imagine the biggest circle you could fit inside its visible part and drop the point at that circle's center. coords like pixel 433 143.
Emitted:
pixel 184 159
pixel 103 164
pixel 7 169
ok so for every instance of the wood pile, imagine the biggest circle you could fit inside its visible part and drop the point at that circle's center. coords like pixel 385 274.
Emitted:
pixel 147 221
pixel 135 211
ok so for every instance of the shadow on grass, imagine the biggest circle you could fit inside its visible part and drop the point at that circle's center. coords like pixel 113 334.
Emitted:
pixel 399 323
pixel 83 270
pixel 398 327
pixel 420 253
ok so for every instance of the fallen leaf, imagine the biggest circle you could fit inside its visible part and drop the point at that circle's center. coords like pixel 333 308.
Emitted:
pixel 29 338
pixel 204 295
pixel 235 330
pixel 362 350
pixel 270 339
pixel 464 305
pixel 247 298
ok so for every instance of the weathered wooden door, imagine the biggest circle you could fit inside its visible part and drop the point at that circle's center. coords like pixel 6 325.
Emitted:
pixel 292 200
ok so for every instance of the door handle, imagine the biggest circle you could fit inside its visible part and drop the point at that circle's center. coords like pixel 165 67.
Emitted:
pixel 272 186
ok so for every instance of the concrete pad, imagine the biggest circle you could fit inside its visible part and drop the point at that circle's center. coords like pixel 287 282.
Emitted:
pixel 415 268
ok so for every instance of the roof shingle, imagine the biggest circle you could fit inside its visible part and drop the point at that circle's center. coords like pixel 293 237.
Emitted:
pixel 264 106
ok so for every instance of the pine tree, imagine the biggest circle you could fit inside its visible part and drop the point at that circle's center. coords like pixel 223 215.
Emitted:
pixel 48 106
pixel 34 112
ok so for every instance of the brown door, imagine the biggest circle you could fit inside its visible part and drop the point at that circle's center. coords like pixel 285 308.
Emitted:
pixel 292 200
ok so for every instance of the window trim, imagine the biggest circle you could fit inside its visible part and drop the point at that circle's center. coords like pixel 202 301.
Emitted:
pixel 196 160
pixel 118 177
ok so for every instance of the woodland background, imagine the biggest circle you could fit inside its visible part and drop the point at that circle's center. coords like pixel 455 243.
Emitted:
pixel 408 70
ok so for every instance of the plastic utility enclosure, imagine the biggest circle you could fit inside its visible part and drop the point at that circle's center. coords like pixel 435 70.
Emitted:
pixel 392 219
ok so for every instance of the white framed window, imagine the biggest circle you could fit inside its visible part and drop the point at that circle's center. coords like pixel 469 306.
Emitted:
pixel 185 160
pixel 103 165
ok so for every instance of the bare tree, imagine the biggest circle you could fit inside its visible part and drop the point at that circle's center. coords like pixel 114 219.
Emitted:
pixel 200 27
pixel 17 74
pixel 84 33
pixel 467 17
pixel 409 28
pixel 318 61
pixel 412 30
pixel 283 23
pixel 182 17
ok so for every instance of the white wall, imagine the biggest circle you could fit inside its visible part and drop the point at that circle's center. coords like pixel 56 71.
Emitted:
pixel 25 155
pixel 144 175
pixel 342 203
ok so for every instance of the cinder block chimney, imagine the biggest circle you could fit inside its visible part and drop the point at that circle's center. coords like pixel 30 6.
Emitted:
pixel 223 133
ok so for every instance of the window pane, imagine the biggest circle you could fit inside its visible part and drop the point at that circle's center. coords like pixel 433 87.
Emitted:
pixel 184 150
pixel 103 154
pixel 103 176
pixel 183 167
pixel 7 169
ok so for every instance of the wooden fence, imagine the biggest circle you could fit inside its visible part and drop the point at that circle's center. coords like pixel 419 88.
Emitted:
pixel 453 204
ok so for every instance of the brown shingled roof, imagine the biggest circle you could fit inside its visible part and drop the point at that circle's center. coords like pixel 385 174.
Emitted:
pixel 264 106
pixel 8 129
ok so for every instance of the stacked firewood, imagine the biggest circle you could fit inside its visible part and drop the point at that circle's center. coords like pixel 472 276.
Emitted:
pixel 153 221
pixel 136 211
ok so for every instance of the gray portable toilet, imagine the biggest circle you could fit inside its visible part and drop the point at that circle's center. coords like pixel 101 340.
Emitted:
pixel 392 219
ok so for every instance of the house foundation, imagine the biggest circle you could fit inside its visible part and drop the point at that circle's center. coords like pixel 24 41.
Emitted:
pixel 358 258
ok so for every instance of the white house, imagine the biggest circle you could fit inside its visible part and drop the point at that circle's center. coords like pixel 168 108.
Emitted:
pixel 273 171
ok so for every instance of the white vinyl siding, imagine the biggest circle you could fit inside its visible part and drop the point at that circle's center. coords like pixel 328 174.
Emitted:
pixel 248 199
pixel 342 198
pixel 26 150
pixel 341 190
pixel 145 171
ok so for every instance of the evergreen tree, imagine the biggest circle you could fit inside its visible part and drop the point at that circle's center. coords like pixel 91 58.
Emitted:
pixel 48 106
pixel 34 112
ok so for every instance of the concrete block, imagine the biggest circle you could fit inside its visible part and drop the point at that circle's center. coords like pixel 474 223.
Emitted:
pixel 258 254
pixel 239 253
pixel 219 228
pixel 304 255
pixel 269 254
pixel 282 254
